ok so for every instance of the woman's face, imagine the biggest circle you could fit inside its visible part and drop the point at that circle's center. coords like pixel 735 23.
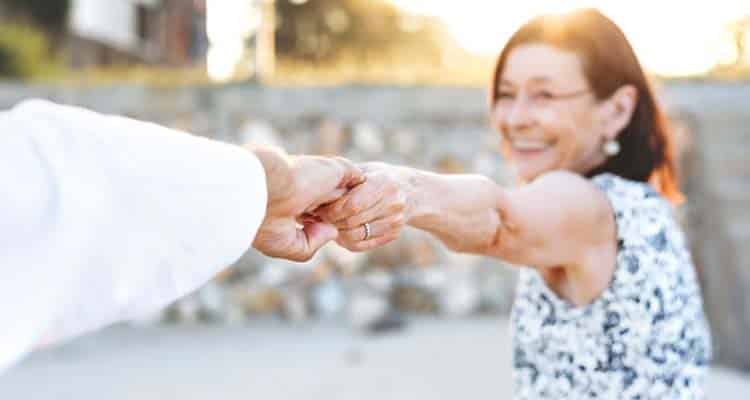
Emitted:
pixel 548 116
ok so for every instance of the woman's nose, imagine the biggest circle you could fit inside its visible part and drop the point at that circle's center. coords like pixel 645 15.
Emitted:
pixel 519 114
pixel 513 115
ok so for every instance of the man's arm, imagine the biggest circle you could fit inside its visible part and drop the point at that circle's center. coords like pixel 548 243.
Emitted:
pixel 105 218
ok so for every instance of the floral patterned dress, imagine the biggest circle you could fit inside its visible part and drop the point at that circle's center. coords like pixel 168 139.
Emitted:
pixel 645 337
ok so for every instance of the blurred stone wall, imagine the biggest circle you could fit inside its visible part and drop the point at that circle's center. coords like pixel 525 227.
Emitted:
pixel 717 180
pixel 442 129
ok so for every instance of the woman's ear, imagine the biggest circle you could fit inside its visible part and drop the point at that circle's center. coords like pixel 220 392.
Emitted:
pixel 618 110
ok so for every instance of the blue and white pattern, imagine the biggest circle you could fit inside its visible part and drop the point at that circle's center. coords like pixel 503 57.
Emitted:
pixel 645 337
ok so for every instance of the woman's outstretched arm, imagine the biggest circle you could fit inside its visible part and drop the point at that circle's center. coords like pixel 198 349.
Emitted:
pixel 560 219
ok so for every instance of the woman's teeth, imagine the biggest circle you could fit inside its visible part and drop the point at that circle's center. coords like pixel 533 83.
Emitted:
pixel 529 145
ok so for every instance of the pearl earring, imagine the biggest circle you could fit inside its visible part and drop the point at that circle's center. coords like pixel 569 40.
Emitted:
pixel 611 147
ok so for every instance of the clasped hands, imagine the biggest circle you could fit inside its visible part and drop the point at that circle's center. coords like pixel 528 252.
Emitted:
pixel 313 200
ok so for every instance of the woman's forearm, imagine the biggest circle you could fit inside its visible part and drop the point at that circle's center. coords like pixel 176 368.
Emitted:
pixel 460 210
pixel 556 220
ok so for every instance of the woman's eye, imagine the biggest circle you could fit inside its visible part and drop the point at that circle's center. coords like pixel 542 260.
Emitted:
pixel 505 95
pixel 545 95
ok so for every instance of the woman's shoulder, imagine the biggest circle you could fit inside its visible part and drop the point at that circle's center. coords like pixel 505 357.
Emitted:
pixel 623 192
pixel 556 217
pixel 610 182
pixel 567 198
pixel 566 190
pixel 638 207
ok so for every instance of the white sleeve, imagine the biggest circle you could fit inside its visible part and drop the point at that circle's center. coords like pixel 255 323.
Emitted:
pixel 105 218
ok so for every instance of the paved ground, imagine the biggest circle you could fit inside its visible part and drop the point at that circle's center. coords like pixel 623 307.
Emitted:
pixel 429 360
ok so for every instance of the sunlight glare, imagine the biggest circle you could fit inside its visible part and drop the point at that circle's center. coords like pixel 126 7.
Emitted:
pixel 671 37
pixel 228 24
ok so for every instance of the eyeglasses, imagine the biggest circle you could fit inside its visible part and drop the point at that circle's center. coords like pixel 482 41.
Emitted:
pixel 537 99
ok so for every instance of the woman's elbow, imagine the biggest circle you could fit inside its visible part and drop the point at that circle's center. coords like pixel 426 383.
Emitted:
pixel 487 242
pixel 505 243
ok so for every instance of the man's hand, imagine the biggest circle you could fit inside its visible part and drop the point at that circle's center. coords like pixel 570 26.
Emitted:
pixel 296 186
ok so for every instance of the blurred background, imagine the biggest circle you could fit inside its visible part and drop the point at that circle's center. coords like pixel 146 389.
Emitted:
pixel 402 81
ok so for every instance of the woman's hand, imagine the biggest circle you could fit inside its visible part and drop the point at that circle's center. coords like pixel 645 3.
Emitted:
pixel 371 214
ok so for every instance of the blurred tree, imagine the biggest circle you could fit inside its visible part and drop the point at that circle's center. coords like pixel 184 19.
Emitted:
pixel 50 15
pixel 740 29
pixel 24 52
pixel 324 30
pixel 739 67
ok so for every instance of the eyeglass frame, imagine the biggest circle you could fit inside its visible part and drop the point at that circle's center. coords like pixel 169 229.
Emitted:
pixel 544 103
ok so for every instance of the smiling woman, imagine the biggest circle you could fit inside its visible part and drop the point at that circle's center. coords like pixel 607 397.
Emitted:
pixel 608 305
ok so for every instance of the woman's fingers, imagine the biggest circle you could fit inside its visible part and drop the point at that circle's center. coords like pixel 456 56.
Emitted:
pixel 385 227
pixel 379 202
pixel 353 175
pixel 373 213
pixel 329 198
pixel 367 245
pixel 357 200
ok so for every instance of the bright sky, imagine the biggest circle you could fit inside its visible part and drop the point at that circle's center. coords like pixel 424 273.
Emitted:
pixel 671 37
pixel 228 24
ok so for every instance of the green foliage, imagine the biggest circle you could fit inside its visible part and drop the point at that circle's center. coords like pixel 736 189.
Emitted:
pixel 373 41
pixel 24 53
pixel 50 15
pixel 323 30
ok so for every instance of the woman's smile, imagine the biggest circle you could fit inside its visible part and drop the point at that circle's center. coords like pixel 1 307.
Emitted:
pixel 531 147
